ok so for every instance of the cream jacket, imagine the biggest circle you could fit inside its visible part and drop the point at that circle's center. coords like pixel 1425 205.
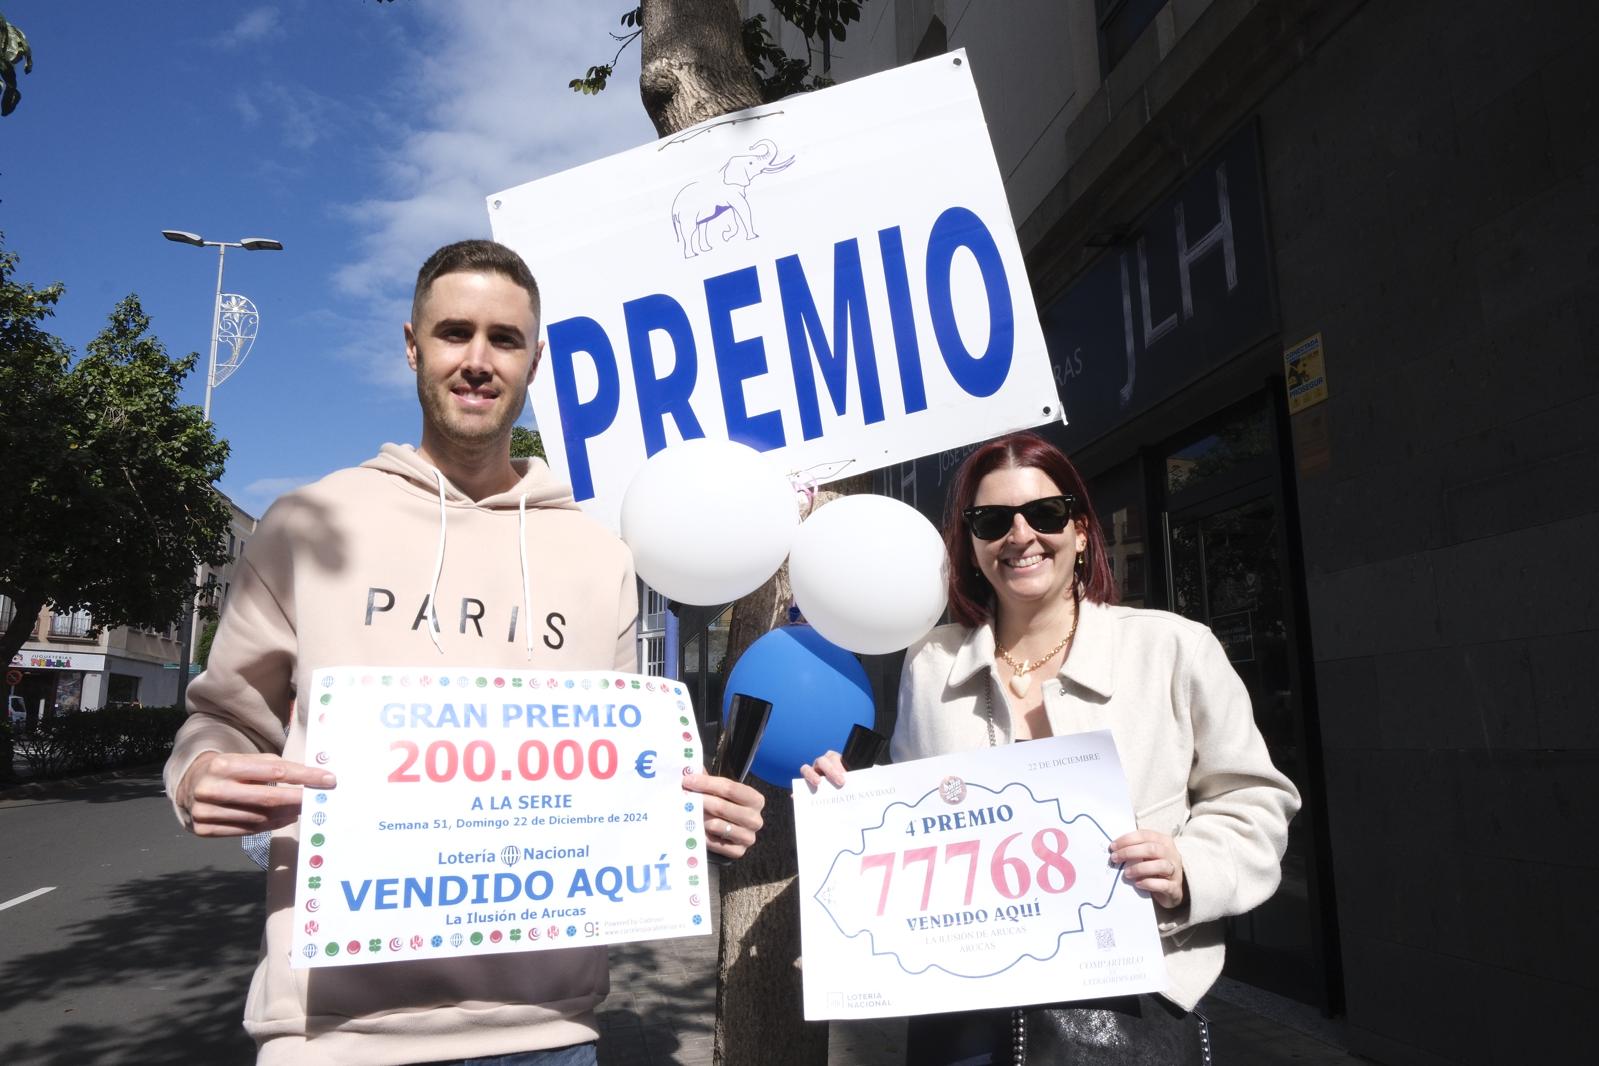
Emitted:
pixel 1195 762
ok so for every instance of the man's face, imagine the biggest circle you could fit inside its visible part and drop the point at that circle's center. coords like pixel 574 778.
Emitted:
pixel 474 350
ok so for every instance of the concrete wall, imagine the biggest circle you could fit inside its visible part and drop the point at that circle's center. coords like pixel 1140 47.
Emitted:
pixel 1032 84
pixel 158 687
pixel 1433 175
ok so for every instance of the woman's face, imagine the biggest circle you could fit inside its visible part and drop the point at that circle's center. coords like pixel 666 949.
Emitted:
pixel 1025 566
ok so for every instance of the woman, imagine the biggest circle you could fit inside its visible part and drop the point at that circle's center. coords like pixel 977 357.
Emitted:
pixel 1039 648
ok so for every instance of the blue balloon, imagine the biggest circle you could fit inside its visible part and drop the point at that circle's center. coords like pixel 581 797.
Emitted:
pixel 817 691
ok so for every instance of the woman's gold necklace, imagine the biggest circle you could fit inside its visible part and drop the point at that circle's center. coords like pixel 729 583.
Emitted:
pixel 1021 671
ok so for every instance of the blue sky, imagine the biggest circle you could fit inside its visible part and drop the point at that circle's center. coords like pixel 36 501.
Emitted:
pixel 361 135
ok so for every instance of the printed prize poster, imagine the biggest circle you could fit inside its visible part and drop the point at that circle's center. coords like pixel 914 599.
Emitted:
pixel 970 881
pixel 484 811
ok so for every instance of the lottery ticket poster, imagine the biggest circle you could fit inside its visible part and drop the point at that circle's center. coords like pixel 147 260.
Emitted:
pixel 480 812
pixel 970 881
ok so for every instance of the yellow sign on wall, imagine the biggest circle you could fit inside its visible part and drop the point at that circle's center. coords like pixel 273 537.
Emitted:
pixel 1307 374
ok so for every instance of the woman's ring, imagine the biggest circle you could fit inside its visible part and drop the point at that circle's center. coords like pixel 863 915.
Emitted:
pixel 727 831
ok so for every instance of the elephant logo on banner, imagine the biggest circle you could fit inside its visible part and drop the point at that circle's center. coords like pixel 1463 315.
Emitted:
pixel 724 195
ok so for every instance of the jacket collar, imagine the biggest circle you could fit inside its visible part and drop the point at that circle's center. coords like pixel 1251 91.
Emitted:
pixel 1091 663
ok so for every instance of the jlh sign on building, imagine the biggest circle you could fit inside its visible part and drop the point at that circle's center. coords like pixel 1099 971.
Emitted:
pixel 836 289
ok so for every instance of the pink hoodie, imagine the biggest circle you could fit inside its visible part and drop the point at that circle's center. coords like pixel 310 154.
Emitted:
pixel 341 573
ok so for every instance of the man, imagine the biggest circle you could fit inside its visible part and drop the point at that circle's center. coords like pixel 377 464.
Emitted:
pixel 452 553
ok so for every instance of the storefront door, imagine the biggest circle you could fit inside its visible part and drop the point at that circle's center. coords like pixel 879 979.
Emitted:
pixel 1227 563
pixel 37 691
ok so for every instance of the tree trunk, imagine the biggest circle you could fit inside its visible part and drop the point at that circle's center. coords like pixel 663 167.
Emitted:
pixel 693 68
pixel 27 609
pixel 760 1014
pixel 691 63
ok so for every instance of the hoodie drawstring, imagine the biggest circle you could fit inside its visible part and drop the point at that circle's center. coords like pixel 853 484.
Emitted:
pixel 438 569
pixel 527 598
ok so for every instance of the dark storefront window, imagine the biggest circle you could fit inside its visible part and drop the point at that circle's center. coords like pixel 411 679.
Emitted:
pixel 1226 552
pixel 69 691
pixel 694 672
pixel 124 688
pixel 703 665
pixel 1118 498
pixel 716 664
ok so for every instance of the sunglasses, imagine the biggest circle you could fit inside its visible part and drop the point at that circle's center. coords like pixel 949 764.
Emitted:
pixel 1048 515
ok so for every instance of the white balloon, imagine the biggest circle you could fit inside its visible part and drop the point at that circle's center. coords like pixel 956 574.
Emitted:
pixel 868 573
pixel 708 520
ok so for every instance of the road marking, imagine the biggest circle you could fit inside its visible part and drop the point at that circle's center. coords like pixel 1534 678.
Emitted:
pixel 26 896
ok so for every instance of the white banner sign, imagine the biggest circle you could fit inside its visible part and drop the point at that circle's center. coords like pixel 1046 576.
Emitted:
pixel 480 812
pixel 972 881
pixel 833 280
pixel 33 659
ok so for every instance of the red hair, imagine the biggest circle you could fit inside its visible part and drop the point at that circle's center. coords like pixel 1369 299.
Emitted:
pixel 971 598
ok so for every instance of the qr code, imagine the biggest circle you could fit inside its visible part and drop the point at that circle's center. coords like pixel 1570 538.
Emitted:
pixel 1105 939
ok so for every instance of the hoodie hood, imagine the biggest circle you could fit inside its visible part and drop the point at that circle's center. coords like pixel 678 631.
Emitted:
pixel 538 486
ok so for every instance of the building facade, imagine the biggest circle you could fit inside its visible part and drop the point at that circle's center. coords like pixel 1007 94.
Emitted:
pixel 1320 284
pixel 67 664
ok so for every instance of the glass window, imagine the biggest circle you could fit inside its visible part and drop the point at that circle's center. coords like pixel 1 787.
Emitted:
pixel 1120 24
pixel 693 669
pixel 8 611
pixel 652 655
pixel 1214 462
pixel 716 664
pixel 69 691
pixel 74 624
pixel 654 618
pixel 1118 499
pixel 124 688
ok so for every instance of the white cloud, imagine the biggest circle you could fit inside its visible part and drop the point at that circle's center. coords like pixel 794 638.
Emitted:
pixel 258 495
pixel 256 25
pixel 246 106
pixel 493 110
pixel 302 116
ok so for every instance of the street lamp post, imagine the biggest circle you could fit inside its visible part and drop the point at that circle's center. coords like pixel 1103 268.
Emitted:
pixel 249 244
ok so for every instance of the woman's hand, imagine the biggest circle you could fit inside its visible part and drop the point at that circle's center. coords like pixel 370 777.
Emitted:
pixel 1153 864
pixel 732 813
pixel 829 766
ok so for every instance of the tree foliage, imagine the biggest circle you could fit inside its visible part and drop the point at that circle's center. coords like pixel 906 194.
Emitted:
pixel 202 646
pixel 819 21
pixel 107 479
pixel 526 443
pixel 13 49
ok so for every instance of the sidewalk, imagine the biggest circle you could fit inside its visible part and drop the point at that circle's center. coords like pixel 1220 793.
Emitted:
pixel 662 1010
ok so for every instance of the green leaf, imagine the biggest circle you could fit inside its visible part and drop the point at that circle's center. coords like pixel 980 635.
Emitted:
pixel 13 47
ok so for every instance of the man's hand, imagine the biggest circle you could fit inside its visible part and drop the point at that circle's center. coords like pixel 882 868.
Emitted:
pixel 732 813
pixel 235 795
pixel 1153 864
